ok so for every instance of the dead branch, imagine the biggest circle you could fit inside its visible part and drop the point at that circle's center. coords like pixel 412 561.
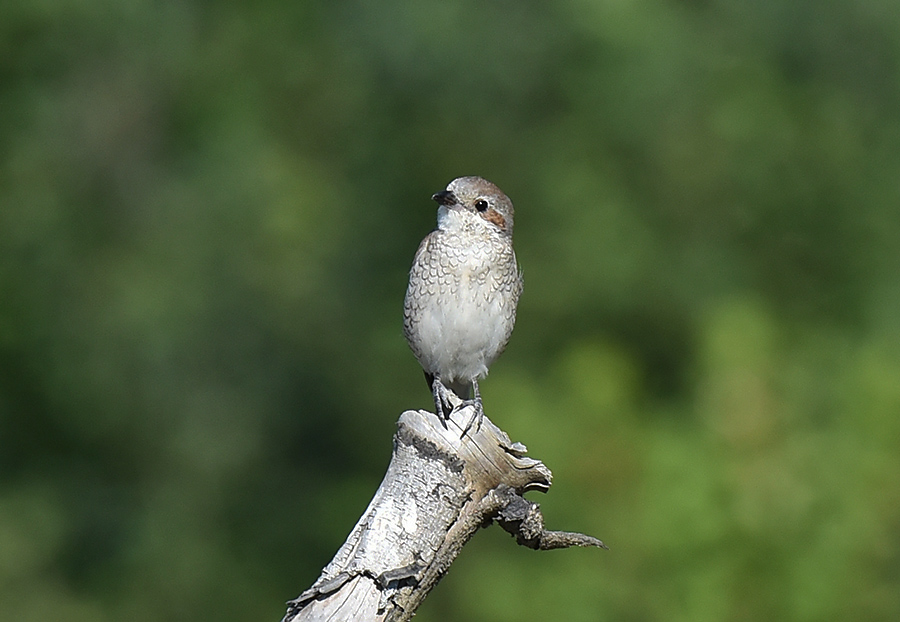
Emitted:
pixel 439 489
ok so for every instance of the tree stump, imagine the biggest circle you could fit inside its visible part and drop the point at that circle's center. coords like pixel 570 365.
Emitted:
pixel 441 486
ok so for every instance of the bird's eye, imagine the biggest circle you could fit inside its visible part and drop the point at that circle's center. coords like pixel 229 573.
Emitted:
pixel 481 205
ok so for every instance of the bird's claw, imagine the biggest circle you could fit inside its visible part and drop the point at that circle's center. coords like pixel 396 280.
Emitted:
pixel 442 405
pixel 477 415
pixel 445 405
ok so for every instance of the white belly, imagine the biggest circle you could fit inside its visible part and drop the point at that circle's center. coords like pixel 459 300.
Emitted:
pixel 461 335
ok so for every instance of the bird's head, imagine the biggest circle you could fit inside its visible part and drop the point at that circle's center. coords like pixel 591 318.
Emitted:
pixel 476 200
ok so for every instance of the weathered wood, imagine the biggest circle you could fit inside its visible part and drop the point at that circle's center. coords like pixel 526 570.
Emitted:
pixel 439 489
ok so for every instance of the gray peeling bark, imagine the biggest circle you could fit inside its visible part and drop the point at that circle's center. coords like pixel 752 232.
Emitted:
pixel 440 488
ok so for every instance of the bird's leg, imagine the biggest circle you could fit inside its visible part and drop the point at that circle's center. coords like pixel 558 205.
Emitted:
pixel 478 415
pixel 442 404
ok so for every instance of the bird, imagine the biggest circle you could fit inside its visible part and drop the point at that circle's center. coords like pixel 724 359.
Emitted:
pixel 464 287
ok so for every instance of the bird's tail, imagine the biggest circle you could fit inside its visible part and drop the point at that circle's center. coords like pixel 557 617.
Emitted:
pixel 462 389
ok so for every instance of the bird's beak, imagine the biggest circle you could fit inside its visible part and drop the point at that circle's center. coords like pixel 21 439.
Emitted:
pixel 444 197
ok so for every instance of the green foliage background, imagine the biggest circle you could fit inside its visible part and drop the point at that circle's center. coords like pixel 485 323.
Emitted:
pixel 207 212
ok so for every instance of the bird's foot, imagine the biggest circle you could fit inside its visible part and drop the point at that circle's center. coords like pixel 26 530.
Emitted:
pixel 447 402
pixel 477 414
pixel 443 406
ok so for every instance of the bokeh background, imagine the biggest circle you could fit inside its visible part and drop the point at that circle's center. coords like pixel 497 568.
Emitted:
pixel 207 214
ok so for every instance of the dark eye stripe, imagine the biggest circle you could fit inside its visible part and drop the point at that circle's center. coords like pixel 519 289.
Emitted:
pixel 495 217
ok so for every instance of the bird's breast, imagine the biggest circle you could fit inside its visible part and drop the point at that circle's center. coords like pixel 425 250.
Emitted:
pixel 464 295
